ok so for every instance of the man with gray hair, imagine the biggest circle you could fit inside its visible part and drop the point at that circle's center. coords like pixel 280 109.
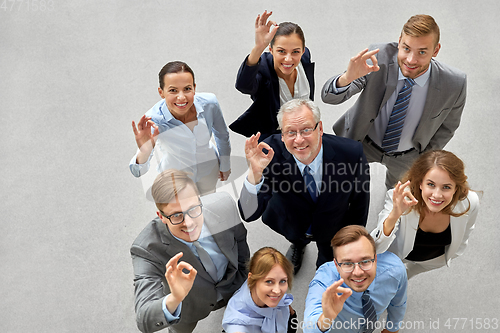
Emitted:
pixel 305 184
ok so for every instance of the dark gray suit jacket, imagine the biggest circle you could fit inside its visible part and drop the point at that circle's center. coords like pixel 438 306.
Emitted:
pixel 154 247
pixel 442 111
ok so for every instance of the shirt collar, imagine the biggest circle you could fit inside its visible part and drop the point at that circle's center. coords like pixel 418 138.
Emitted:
pixel 314 165
pixel 168 116
pixel 421 80
pixel 204 233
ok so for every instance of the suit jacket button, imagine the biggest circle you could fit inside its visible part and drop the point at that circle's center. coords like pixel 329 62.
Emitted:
pixel 159 324
pixel 371 121
pixel 212 305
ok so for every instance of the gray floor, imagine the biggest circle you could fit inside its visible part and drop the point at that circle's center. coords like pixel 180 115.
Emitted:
pixel 76 73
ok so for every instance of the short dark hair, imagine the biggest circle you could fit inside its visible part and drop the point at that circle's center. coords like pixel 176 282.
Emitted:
pixel 288 28
pixel 174 67
pixel 350 234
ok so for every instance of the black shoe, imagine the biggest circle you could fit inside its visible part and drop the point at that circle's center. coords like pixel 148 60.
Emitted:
pixel 295 254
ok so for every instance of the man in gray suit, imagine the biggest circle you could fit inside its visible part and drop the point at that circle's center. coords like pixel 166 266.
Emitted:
pixel 436 99
pixel 207 235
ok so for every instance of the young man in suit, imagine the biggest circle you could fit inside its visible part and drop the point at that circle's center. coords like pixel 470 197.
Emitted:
pixel 308 185
pixel 395 118
pixel 207 235
pixel 350 293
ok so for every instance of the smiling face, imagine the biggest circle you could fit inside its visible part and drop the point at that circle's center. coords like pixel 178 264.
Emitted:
pixel 437 189
pixel 269 290
pixel 305 149
pixel 415 54
pixel 358 280
pixel 178 92
pixel 287 51
pixel 189 230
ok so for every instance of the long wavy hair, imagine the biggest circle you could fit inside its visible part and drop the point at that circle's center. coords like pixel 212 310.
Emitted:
pixel 446 161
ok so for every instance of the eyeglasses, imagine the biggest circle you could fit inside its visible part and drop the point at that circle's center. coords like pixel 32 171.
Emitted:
pixel 178 218
pixel 304 133
pixel 348 267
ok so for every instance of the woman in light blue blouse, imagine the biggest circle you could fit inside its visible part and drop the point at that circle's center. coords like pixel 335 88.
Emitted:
pixel 181 126
pixel 262 304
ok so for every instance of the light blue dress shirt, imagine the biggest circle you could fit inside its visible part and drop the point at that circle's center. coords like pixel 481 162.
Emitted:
pixel 243 315
pixel 220 261
pixel 387 291
pixel 415 110
pixel 184 149
pixel 316 167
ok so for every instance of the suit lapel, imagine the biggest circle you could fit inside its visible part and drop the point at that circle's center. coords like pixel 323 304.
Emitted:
pixel 173 246
pixel 392 80
pixel 291 170
pixel 458 226
pixel 224 239
pixel 409 230
pixel 431 103
pixel 329 164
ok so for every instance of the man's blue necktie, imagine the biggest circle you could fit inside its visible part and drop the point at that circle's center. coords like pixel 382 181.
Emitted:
pixel 368 312
pixel 310 183
pixel 392 134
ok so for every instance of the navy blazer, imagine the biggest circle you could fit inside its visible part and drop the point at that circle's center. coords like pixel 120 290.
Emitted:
pixel 261 83
pixel 287 207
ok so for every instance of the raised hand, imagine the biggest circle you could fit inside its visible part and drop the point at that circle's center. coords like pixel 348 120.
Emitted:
pixel 263 32
pixel 180 283
pixel 257 160
pixel 358 67
pixel 332 303
pixel 263 36
pixel 402 199
pixel 144 138
pixel 143 131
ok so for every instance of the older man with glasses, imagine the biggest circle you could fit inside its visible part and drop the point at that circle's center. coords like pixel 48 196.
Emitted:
pixel 350 293
pixel 305 184
pixel 190 259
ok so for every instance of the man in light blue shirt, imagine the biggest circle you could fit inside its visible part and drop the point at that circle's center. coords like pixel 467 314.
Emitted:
pixel 335 298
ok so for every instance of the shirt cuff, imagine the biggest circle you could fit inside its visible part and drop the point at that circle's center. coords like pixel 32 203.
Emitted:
pixel 225 163
pixel 139 169
pixel 253 189
pixel 311 325
pixel 171 316
pixel 336 90
pixel 231 328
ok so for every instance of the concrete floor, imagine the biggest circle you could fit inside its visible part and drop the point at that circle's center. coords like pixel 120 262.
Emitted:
pixel 76 73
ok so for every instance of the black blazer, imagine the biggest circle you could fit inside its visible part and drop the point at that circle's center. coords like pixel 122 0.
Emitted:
pixel 286 206
pixel 261 83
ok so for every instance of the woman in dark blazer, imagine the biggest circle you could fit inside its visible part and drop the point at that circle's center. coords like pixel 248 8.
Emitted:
pixel 275 77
